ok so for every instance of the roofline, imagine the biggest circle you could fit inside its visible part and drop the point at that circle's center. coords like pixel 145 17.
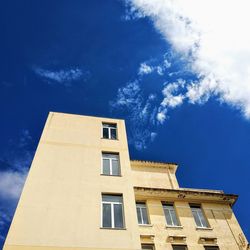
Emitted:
pixel 155 164
pixel 219 196
pixel 91 116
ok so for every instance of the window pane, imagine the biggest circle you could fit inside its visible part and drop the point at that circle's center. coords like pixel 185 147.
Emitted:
pixel 112 198
pixel 105 133
pixel 144 215
pixel 113 133
pixel 148 247
pixel 105 166
pixel 139 215
pixel 174 218
pixel 118 215
pixel 168 218
pixel 211 248
pixel 176 247
pixel 202 218
pixel 196 217
pixel 106 215
pixel 115 167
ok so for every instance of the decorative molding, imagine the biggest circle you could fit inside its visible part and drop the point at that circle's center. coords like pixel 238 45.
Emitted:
pixel 177 238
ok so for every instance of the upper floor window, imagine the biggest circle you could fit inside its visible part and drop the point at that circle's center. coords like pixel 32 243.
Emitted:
pixel 142 214
pixel 179 247
pixel 199 217
pixel 147 247
pixel 211 248
pixel 170 214
pixel 109 131
pixel 112 211
pixel 110 164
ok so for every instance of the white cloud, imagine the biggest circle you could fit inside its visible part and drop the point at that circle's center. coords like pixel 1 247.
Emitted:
pixel 141 112
pixel 214 38
pixel 61 76
pixel 145 69
pixel 11 184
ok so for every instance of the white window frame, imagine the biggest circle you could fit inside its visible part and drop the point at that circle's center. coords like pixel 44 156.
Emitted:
pixel 111 163
pixel 108 126
pixel 112 203
pixel 199 211
pixel 141 205
pixel 170 207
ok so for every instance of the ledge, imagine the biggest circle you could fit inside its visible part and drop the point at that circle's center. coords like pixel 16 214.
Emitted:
pixel 187 195
pixel 174 227
pixel 204 228
pixel 145 225
pixel 113 228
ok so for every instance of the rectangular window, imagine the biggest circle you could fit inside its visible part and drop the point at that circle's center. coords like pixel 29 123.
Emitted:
pixel 199 217
pixel 142 214
pixel 211 248
pixel 147 247
pixel 179 247
pixel 170 215
pixel 112 211
pixel 110 164
pixel 109 131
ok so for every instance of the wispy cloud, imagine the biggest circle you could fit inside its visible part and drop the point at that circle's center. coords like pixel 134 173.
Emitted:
pixel 152 67
pixel 62 76
pixel 140 112
pixel 216 49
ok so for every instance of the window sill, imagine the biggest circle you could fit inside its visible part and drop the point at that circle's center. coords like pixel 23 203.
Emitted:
pixel 113 228
pixel 111 175
pixel 178 227
pixel 145 225
pixel 204 228
pixel 110 139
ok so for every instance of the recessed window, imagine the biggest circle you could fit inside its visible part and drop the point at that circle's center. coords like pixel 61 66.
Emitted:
pixel 211 247
pixel 142 214
pixel 179 247
pixel 110 164
pixel 109 131
pixel 170 214
pixel 199 217
pixel 147 247
pixel 112 211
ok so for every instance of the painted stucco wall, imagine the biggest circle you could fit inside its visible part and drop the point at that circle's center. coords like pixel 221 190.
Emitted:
pixel 60 205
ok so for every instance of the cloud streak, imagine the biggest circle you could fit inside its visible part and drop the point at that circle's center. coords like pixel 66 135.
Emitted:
pixel 62 76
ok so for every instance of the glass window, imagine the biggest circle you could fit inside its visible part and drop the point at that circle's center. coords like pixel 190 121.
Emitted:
pixel 211 247
pixel 110 164
pixel 147 247
pixel 142 214
pixel 170 215
pixel 112 211
pixel 179 247
pixel 199 216
pixel 109 131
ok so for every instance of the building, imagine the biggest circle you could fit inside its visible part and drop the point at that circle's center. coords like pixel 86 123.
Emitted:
pixel 84 193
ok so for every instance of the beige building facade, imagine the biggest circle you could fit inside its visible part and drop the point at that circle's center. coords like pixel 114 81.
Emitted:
pixel 84 193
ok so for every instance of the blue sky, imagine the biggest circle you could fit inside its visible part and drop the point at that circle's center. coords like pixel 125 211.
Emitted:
pixel 179 79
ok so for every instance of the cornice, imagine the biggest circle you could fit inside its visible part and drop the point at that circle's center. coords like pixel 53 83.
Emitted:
pixel 154 164
pixel 190 195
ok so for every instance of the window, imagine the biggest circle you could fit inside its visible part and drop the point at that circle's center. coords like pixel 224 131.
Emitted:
pixel 112 211
pixel 170 215
pixel 110 164
pixel 199 216
pixel 179 247
pixel 147 247
pixel 109 131
pixel 211 248
pixel 142 214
